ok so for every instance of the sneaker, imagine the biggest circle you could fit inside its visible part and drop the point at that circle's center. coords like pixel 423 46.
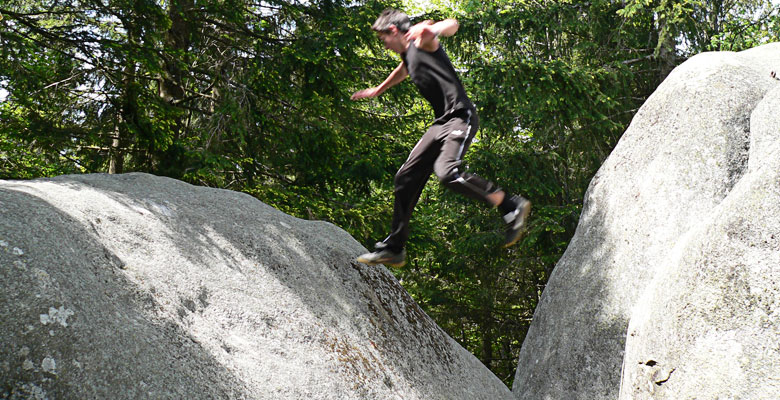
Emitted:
pixel 385 256
pixel 516 220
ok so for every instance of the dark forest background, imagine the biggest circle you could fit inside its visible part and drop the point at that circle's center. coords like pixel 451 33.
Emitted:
pixel 253 96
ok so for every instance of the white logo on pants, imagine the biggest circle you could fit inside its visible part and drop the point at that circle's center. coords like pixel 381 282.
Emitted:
pixel 457 133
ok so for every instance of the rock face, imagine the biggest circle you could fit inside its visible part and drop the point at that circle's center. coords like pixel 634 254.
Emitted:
pixel 678 246
pixel 136 286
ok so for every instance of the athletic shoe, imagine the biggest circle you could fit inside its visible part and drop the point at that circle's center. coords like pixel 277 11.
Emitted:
pixel 384 256
pixel 516 220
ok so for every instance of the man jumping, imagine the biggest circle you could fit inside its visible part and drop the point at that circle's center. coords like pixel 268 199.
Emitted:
pixel 442 147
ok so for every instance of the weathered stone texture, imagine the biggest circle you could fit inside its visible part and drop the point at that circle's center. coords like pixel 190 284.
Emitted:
pixel 679 235
pixel 135 286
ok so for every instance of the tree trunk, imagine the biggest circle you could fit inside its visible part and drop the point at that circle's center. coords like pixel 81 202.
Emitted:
pixel 665 51
pixel 177 40
pixel 116 156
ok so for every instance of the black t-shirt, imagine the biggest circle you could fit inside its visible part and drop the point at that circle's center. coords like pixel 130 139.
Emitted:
pixel 435 77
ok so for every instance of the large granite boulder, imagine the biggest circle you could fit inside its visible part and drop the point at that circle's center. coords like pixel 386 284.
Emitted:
pixel 136 286
pixel 678 245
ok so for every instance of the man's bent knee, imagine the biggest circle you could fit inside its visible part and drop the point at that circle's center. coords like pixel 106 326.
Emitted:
pixel 467 184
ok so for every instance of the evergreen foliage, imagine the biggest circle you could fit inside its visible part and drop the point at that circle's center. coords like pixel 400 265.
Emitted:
pixel 254 96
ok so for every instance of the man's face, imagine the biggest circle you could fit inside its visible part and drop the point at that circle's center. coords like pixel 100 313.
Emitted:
pixel 394 40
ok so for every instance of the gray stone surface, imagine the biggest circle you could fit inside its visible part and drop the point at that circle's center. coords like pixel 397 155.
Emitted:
pixel 135 286
pixel 679 235
pixel 708 326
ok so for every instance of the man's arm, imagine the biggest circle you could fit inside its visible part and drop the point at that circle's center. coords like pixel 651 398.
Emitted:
pixel 425 34
pixel 395 77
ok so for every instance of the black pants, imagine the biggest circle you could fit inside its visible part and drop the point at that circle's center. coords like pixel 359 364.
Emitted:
pixel 440 151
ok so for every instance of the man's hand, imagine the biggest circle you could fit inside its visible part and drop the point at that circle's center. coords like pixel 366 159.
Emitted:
pixel 424 31
pixel 395 77
pixel 370 92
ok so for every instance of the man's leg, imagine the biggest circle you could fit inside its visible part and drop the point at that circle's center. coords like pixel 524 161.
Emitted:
pixel 409 182
pixel 456 138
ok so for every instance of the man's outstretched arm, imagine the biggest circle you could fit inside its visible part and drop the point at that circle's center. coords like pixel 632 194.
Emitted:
pixel 395 77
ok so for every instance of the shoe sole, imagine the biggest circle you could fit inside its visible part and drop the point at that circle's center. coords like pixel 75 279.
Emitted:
pixel 395 265
pixel 521 230
pixel 383 262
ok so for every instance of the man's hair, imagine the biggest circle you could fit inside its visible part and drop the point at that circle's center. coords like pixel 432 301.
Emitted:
pixel 390 17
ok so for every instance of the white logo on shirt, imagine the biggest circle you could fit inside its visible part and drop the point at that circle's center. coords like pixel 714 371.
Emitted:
pixel 457 133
